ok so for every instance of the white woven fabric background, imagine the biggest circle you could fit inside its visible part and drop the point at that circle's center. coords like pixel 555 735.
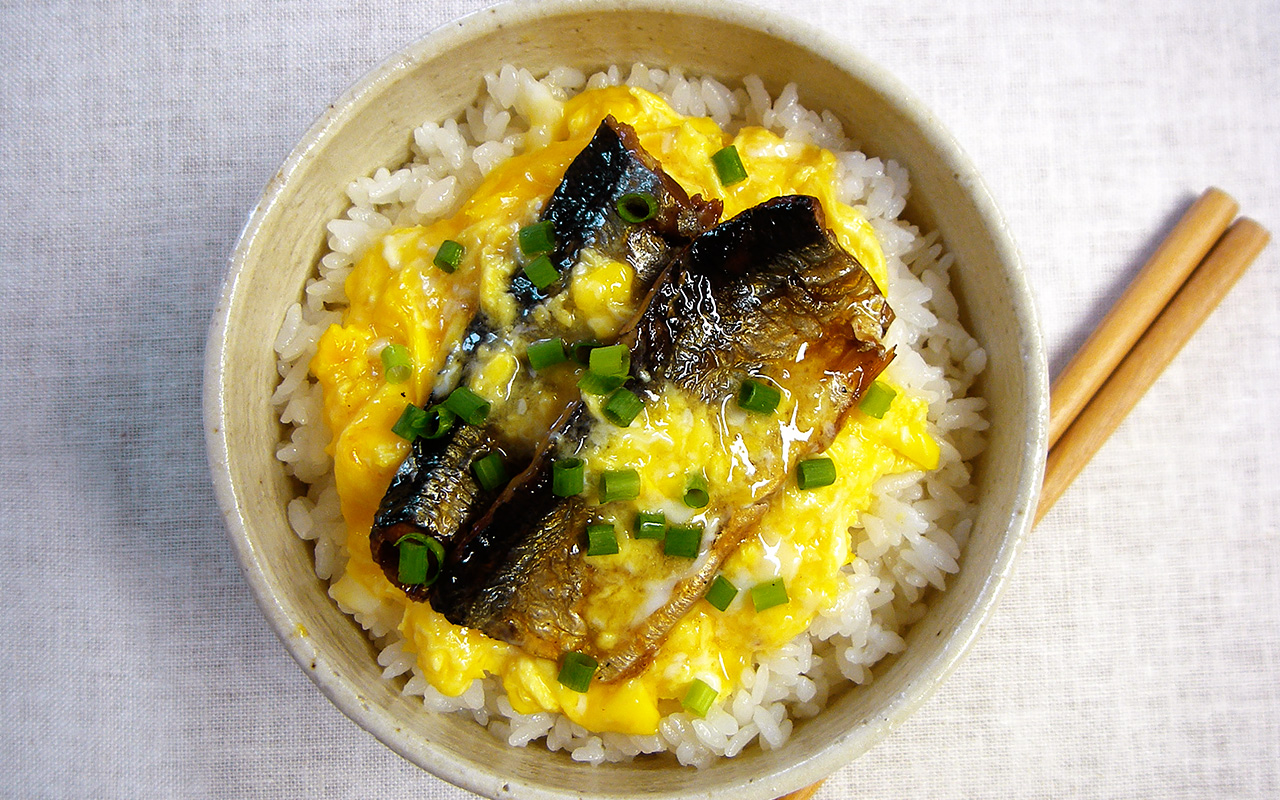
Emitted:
pixel 1135 654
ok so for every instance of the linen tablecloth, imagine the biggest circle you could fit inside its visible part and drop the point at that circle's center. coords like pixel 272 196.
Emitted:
pixel 1136 652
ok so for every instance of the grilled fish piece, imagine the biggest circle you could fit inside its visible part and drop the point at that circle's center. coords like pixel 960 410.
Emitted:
pixel 434 491
pixel 516 573
pixel 769 295
pixel 770 290
pixel 584 210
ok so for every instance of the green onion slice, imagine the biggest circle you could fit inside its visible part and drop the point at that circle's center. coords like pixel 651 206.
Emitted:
pixel 769 594
pixel 721 593
pixel 410 424
pixel 619 484
pixel 412 564
pixel 449 255
pixel 760 397
pixel 609 361
pixel 813 473
pixel 576 670
pixel 602 540
pixel 591 383
pixel 421 559
pixel 698 699
pixel 566 477
pixel 470 407
pixel 437 422
pixel 541 272
pixel 729 166
pixel 546 353
pixel 397 366
pixel 683 541
pixel 581 351
pixel 637 207
pixel 695 490
pixel 650 525
pixel 540 237
pixel 877 399
pixel 489 470
pixel 622 407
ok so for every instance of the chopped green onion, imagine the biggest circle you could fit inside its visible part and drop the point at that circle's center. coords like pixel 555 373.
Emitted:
pixel 591 383
pixel 619 484
pixel 651 525
pixel 759 397
pixel 540 237
pixel 695 490
pixel 437 422
pixel 622 407
pixel 877 399
pixel 729 166
pixel 581 352
pixel 410 424
pixel 602 540
pixel 698 699
pixel 769 594
pixel 683 540
pixel 489 470
pixel 396 364
pixel 576 670
pixel 470 407
pixel 546 353
pixel 449 255
pixel 541 272
pixel 721 593
pixel 608 361
pixel 637 207
pixel 566 477
pixel 813 473
pixel 412 564
pixel 421 559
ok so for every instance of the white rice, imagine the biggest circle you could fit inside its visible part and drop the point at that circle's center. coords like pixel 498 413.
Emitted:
pixel 908 543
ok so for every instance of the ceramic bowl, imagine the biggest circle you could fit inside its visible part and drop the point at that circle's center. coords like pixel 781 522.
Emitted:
pixel 434 78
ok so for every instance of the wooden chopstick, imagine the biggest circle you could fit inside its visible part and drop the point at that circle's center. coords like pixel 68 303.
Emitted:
pixel 806 793
pixel 1185 247
pixel 1152 352
pixel 1155 317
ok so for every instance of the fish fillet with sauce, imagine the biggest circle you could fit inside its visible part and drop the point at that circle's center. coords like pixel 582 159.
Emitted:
pixel 434 491
pixel 769 296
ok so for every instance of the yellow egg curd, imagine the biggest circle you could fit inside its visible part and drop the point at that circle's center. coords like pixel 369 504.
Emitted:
pixel 397 296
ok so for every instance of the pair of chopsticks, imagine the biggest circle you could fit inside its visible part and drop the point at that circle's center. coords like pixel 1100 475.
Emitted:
pixel 1175 291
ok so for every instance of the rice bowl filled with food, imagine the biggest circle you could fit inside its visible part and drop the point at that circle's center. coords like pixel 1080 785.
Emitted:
pixel 629 416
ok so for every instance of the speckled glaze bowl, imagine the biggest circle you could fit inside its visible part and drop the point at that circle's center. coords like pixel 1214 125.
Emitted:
pixel 434 78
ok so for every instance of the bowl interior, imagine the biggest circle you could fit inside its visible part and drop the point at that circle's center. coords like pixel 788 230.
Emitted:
pixel 435 78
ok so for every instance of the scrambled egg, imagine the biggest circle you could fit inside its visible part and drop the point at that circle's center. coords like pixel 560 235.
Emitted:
pixel 397 296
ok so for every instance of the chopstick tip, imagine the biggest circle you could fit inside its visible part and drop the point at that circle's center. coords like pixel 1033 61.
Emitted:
pixel 1215 201
pixel 1254 228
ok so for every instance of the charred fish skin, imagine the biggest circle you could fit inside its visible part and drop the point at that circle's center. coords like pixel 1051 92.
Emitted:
pixel 724 317
pixel 434 491
pixel 516 573
pixel 461 358
pixel 584 211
